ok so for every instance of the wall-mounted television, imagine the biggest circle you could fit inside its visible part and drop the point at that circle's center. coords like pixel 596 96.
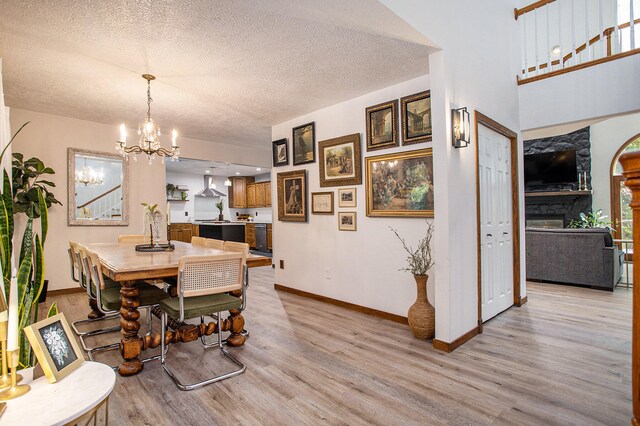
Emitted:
pixel 550 168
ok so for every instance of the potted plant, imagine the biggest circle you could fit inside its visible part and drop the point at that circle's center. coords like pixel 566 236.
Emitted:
pixel 171 189
pixel 591 220
pixel 421 315
pixel 29 272
pixel 220 206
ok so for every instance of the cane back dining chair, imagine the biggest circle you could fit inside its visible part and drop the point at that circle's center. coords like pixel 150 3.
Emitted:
pixel 108 296
pixel 216 244
pixel 81 276
pixel 203 283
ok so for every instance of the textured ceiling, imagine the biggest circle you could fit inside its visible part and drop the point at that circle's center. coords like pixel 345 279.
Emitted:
pixel 226 70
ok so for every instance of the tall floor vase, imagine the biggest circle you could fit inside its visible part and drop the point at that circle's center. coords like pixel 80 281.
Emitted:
pixel 422 316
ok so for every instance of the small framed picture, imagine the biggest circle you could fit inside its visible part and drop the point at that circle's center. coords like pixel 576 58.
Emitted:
pixel 382 129
pixel 304 144
pixel 280 153
pixel 55 347
pixel 416 118
pixel 347 221
pixel 340 161
pixel 347 197
pixel 322 202
pixel 292 196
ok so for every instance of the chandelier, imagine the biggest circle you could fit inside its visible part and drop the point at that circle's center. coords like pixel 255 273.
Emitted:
pixel 149 132
pixel 87 176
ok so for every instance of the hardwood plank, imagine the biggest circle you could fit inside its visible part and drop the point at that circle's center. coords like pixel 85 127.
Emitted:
pixel 563 358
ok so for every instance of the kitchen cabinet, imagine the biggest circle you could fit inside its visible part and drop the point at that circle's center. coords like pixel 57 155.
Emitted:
pixel 267 194
pixel 238 192
pixel 269 237
pixel 181 232
pixel 251 195
pixel 250 234
pixel 260 200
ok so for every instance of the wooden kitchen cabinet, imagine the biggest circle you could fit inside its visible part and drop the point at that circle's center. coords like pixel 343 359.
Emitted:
pixel 251 195
pixel 238 192
pixel 250 234
pixel 181 232
pixel 260 200
pixel 269 237
pixel 267 194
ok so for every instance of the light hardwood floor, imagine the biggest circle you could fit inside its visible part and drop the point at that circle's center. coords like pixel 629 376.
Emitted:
pixel 563 358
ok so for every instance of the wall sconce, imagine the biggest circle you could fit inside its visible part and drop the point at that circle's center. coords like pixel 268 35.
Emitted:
pixel 460 128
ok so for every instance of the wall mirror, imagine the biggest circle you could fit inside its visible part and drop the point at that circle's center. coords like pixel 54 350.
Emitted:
pixel 98 188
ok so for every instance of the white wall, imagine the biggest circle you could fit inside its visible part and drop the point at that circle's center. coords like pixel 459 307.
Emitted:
pixel 362 266
pixel 602 90
pixel 476 68
pixel 606 138
pixel 49 136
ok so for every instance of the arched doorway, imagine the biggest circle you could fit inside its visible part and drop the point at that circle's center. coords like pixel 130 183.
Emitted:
pixel 621 214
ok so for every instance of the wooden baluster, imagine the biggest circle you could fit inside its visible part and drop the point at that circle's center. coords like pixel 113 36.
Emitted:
pixel 546 9
pixel 561 62
pixel 608 33
pixel 524 44
pixel 631 166
pixel 632 25
pixel 601 27
pixel 535 40
pixel 618 33
pixel 586 30
pixel 573 33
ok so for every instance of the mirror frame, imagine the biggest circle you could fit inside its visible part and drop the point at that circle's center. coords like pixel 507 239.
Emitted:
pixel 71 189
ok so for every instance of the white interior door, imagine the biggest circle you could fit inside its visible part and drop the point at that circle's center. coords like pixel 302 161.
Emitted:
pixel 496 228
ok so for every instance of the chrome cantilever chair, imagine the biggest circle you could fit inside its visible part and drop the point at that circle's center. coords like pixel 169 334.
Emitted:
pixel 83 279
pixel 108 296
pixel 216 244
pixel 203 282
pixel 198 241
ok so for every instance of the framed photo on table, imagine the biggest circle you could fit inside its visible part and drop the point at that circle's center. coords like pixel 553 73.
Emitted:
pixel 292 196
pixel 340 161
pixel 322 202
pixel 347 197
pixel 400 184
pixel 55 347
pixel 416 118
pixel 382 130
pixel 347 221
pixel 280 153
pixel 304 144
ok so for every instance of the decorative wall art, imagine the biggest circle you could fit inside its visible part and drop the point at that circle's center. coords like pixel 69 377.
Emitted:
pixel 347 221
pixel 347 197
pixel 55 347
pixel 340 161
pixel 280 153
pixel 322 202
pixel 400 184
pixel 292 196
pixel 304 144
pixel 416 118
pixel 382 129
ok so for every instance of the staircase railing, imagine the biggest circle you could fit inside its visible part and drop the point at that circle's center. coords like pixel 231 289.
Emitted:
pixel 105 206
pixel 559 36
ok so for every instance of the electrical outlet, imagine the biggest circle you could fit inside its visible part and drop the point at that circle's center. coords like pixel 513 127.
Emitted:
pixel 281 264
pixel 186 213
pixel 256 213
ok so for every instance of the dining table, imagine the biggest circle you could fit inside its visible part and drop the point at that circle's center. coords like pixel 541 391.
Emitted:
pixel 123 264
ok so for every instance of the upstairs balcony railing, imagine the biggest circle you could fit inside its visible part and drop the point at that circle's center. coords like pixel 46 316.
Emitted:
pixel 559 36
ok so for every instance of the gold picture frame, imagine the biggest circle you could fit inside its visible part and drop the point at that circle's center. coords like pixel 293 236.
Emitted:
pixel 292 196
pixel 55 347
pixel 322 203
pixel 400 184
pixel 347 221
pixel 415 111
pixel 340 161
pixel 303 142
pixel 382 128
pixel 347 197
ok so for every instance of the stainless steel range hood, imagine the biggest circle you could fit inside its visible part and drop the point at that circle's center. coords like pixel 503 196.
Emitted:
pixel 208 191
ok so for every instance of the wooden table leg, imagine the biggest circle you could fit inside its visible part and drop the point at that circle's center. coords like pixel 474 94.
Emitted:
pixel 95 312
pixel 236 320
pixel 130 343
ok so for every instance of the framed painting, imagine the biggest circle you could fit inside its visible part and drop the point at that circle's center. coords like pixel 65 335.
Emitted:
pixel 304 144
pixel 382 130
pixel 322 202
pixel 55 347
pixel 347 221
pixel 292 196
pixel 347 197
pixel 400 184
pixel 280 153
pixel 340 161
pixel 416 118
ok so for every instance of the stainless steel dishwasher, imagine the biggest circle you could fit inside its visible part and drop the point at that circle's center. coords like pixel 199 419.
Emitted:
pixel 261 236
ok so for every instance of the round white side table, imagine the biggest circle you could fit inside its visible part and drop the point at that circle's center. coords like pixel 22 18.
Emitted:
pixel 62 402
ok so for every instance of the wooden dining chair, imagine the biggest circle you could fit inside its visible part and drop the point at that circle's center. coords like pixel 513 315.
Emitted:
pixel 79 275
pixel 216 244
pixel 236 247
pixel 133 238
pixel 108 296
pixel 203 283
pixel 198 241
